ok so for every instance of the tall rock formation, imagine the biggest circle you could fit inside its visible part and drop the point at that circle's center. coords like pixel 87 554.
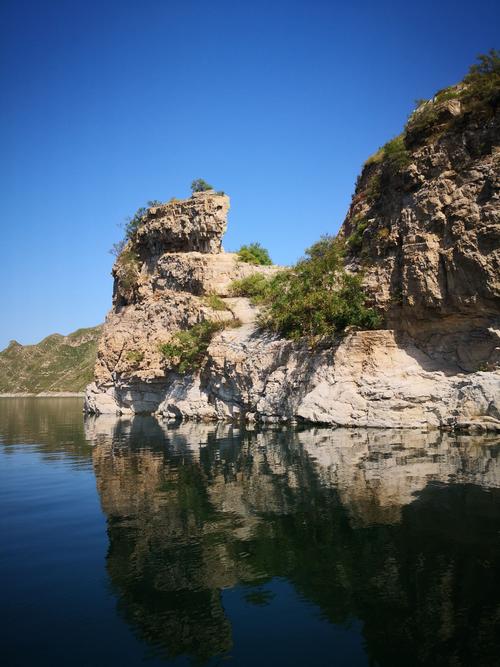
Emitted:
pixel 424 228
pixel 424 232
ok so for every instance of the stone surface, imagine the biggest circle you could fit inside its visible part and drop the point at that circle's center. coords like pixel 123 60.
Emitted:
pixel 430 261
pixel 430 252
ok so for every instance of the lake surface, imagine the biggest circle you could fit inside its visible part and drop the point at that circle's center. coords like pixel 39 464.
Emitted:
pixel 129 542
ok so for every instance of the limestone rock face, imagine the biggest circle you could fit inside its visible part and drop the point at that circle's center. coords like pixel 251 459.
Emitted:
pixel 427 236
pixel 424 231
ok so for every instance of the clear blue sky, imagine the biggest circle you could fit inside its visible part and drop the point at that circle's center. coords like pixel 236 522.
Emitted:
pixel 106 104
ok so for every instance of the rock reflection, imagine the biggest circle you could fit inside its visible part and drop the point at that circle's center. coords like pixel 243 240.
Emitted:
pixel 397 529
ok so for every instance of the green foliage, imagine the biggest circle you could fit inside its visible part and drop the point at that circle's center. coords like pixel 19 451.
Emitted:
pixel 254 253
pixel 199 185
pixel 133 223
pixel 117 248
pixel 355 240
pixel 187 349
pixel 316 297
pixel 254 287
pixel 57 363
pixel 135 356
pixel 215 302
pixel 376 158
pixel 127 268
pixel 482 83
pixel 478 94
pixel 393 154
pixel 374 188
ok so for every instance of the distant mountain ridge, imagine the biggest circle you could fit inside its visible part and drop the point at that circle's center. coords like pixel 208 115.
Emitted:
pixel 55 364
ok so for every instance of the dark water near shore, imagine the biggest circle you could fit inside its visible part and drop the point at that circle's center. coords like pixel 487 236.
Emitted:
pixel 127 542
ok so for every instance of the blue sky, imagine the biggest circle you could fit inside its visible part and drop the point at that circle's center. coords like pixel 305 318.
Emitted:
pixel 106 104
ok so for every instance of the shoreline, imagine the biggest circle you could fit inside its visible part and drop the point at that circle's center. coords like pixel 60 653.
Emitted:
pixel 45 394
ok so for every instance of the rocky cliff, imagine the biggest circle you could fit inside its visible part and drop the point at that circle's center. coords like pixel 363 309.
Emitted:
pixel 423 231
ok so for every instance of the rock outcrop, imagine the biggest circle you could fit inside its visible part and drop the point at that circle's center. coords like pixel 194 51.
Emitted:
pixel 369 378
pixel 424 228
pixel 423 231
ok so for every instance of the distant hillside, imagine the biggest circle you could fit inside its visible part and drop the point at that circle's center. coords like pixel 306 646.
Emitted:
pixel 57 363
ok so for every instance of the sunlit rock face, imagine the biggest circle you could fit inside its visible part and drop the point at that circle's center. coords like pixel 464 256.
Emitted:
pixel 393 528
pixel 429 251
pixel 433 276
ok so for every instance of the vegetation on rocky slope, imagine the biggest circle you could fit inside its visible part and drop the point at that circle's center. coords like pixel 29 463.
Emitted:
pixel 254 253
pixel 316 298
pixel 462 110
pixel 57 363
pixel 187 350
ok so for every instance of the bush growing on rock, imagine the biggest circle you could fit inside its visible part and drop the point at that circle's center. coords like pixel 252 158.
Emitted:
pixel 478 94
pixel 187 349
pixel 254 253
pixel 199 185
pixel 134 222
pixel 215 302
pixel 128 267
pixel 254 287
pixel 317 297
pixel 135 356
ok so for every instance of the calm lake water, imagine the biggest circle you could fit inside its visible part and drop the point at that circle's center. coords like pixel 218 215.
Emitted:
pixel 129 542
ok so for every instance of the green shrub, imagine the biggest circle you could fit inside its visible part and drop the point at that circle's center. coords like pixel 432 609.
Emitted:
pixel 396 155
pixel 254 253
pixel 374 189
pixel 393 154
pixel 316 297
pixel 355 240
pixel 215 302
pixel 187 349
pixel 128 268
pixel 478 94
pixel 135 356
pixel 133 223
pixel 482 83
pixel 199 185
pixel 253 286
pixel 376 158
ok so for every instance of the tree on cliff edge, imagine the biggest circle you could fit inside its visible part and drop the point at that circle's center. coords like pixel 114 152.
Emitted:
pixel 199 185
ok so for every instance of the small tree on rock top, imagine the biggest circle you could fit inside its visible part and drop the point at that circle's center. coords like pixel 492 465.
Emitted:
pixel 199 185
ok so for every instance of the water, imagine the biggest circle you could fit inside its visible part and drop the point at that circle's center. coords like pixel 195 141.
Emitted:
pixel 129 543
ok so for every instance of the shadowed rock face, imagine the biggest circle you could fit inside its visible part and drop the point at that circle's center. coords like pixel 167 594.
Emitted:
pixel 430 249
pixel 395 529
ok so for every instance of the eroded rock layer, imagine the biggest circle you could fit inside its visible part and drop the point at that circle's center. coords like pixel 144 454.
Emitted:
pixel 165 283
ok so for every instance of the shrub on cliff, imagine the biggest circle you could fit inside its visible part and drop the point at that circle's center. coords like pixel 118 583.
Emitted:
pixel 478 94
pixel 187 349
pixel 254 287
pixel 199 185
pixel 254 253
pixel 393 154
pixel 317 297
pixel 128 268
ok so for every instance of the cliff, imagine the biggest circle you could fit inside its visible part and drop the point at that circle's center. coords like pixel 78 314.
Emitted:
pixel 424 230
pixel 56 364
pixel 422 233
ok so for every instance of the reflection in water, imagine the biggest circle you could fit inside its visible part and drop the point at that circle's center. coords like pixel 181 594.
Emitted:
pixel 396 531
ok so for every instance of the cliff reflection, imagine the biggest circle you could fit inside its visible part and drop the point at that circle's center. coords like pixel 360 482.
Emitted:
pixel 397 529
